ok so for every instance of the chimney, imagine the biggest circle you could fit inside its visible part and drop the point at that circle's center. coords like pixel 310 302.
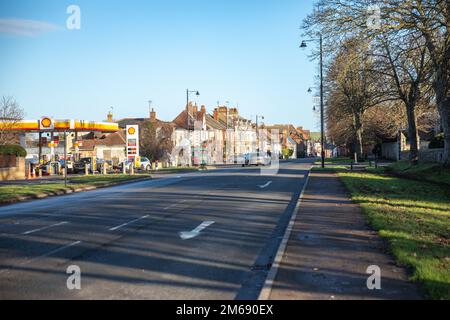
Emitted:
pixel 152 115
pixel 216 114
pixel 203 109
pixel 195 109
pixel 110 117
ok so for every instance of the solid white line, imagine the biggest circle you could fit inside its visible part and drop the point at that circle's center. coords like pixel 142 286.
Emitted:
pixel 44 228
pixel 267 288
pixel 265 185
pixel 125 224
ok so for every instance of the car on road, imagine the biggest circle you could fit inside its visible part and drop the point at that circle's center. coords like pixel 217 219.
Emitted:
pixel 256 159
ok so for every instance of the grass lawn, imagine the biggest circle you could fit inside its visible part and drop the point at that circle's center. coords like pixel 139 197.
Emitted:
pixel 428 171
pixel 414 217
pixel 8 192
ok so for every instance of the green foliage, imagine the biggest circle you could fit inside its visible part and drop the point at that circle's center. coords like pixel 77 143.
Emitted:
pixel 13 150
pixel 287 153
pixel 437 142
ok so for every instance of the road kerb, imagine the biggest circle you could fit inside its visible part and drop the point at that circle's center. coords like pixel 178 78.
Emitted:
pixel 267 288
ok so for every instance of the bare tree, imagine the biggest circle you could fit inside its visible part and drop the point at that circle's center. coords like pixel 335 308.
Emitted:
pixel 353 89
pixel 10 114
pixel 156 141
pixel 428 21
pixel 403 62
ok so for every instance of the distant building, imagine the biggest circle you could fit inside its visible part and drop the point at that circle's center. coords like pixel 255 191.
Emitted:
pixel 109 147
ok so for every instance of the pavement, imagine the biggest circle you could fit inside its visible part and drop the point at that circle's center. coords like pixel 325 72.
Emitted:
pixel 330 248
pixel 201 235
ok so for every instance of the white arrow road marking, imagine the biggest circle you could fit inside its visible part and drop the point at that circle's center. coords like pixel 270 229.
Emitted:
pixel 265 185
pixel 186 235
pixel 127 223
pixel 45 228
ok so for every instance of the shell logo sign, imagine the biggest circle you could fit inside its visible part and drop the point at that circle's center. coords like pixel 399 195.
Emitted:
pixel 131 131
pixel 46 124
pixel 133 143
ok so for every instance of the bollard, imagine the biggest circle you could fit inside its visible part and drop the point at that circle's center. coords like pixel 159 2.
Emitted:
pixel 104 168
pixel 86 169
pixel 124 168
pixel 131 169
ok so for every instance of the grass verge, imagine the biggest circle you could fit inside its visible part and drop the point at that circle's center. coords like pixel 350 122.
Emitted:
pixel 11 192
pixel 414 217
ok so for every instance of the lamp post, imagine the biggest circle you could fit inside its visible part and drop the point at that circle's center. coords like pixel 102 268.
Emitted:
pixel 257 134
pixel 187 118
pixel 187 99
pixel 322 132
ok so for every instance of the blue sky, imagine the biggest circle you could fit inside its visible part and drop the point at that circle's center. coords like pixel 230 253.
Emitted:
pixel 128 52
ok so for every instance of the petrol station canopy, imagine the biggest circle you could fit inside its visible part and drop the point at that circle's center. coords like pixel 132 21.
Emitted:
pixel 49 124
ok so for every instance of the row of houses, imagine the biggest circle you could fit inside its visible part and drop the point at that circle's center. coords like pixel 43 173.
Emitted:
pixel 195 137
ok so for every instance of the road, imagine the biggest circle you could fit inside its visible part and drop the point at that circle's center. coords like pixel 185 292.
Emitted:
pixel 202 235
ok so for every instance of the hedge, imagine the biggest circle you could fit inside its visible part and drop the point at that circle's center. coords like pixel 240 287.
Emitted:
pixel 14 150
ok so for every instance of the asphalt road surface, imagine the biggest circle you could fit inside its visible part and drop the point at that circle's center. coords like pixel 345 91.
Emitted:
pixel 205 235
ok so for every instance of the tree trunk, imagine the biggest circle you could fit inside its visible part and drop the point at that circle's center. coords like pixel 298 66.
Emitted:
pixel 358 131
pixel 443 106
pixel 412 134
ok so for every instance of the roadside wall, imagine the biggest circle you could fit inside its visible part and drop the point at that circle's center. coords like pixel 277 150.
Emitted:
pixel 429 155
pixel 12 167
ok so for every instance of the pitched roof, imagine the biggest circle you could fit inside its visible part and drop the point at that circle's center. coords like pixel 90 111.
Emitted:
pixel 123 123
pixel 212 123
pixel 114 139
pixel 182 120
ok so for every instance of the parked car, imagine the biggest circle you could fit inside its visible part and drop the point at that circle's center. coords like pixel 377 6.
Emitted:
pixel 79 166
pixel 70 165
pixel 146 164
pixel 127 164
pixel 255 159
pixel 102 162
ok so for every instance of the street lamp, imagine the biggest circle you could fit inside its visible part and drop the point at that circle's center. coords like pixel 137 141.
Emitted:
pixel 187 99
pixel 257 134
pixel 322 134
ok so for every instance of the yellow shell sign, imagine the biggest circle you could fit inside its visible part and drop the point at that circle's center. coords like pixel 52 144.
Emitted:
pixel 131 131
pixel 46 122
